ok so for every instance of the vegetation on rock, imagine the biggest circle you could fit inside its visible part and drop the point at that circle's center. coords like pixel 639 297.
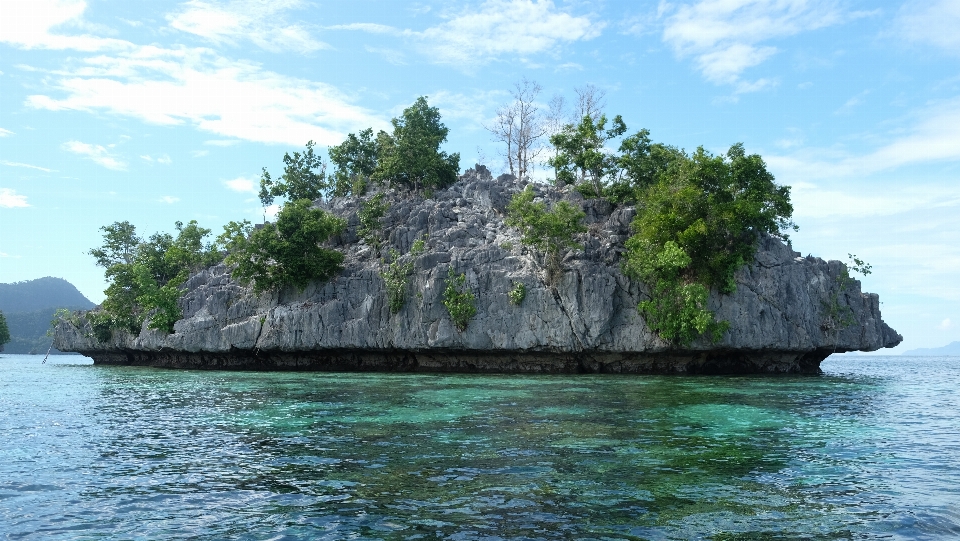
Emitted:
pixel 287 252
pixel 549 230
pixel 304 177
pixel 145 275
pixel 410 157
pixel 395 276
pixel 517 293
pixel 459 301
pixel 695 226
pixel 4 331
pixel 369 215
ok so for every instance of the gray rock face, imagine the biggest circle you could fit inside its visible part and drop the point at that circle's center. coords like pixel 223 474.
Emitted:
pixel 779 321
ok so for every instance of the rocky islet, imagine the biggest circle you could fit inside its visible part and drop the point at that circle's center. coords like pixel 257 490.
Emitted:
pixel 780 317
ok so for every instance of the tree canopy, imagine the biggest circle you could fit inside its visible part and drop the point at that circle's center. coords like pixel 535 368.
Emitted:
pixel 4 331
pixel 411 155
pixel 356 159
pixel 287 252
pixel 697 223
pixel 144 276
pixel 304 177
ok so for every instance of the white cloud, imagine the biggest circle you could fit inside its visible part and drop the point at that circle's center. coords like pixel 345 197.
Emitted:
pixel 271 211
pixel 725 36
pixel 9 199
pixel 499 28
pixel 97 153
pixel 222 142
pixel 5 133
pixel 934 137
pixel 393 56
pixel 814 201
pixel 932 21
pixel 199 153
pixel 371 28
pixel 163 160
pixel 168 199
pixel 29 24
pixel 216 95
pixel 945 324
pixel 259 22
pixel 241 184
pixel 27 165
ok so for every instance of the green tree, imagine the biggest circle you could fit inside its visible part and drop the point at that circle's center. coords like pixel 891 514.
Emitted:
pixel 304 177
pixel 287 252
pixel 581 154
pixel 369 215
pixel 640 163
pixel 458 300
pixel 551 231
pixel 411 156
pixel 4 331
pixel 144 276
pixel 711 209
pixel 355 159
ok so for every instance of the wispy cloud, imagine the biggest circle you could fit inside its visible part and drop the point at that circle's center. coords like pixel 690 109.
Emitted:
pixel 199 153
pixel 9 199
pixel 31 24
pixel 27 165
pixel 496 30
pixel 169 199
pixel 726 37
pixel 241 184
pixel 222 142
pixel 163 160
pixel 5 133
pixel 261 23
pixel 196 86
pixel 934 22
pixel 97 153
pixel 934 137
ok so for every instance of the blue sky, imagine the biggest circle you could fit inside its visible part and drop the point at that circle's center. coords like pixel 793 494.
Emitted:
pixel 161 111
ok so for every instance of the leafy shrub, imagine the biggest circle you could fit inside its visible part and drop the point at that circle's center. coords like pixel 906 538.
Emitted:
pixel 419 246
pixel 145 275
pixel 411 156
pixel 460 303
pixel 517 293
pixel 285 253
pixel 4 330
pixel 369 215
pixel 395 277
pixel 694 228
pixel 840 317
pixel 304 177
pixel 551 231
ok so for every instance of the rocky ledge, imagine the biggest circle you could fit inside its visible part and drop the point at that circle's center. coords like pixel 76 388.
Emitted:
pixel 588 322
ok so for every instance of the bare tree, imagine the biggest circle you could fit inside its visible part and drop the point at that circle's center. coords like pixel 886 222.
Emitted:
pixel 591 101
pixel 554 123
pixel 520 127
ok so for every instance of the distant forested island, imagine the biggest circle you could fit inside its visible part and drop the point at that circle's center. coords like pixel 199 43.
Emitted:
pixel 29 306
pixel 950 350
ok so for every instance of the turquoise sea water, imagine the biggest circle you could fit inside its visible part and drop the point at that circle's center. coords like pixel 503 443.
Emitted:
pixel 869 450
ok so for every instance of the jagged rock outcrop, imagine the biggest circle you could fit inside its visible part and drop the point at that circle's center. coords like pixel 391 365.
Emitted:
pixel 779 316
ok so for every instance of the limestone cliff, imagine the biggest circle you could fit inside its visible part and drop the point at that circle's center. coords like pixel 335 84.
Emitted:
pixel 779 321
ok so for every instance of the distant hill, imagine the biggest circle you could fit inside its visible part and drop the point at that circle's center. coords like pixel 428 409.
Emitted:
pixel 29 307
pixel 953 348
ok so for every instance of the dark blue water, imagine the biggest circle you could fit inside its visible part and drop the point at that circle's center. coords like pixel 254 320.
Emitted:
pixel 870 450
